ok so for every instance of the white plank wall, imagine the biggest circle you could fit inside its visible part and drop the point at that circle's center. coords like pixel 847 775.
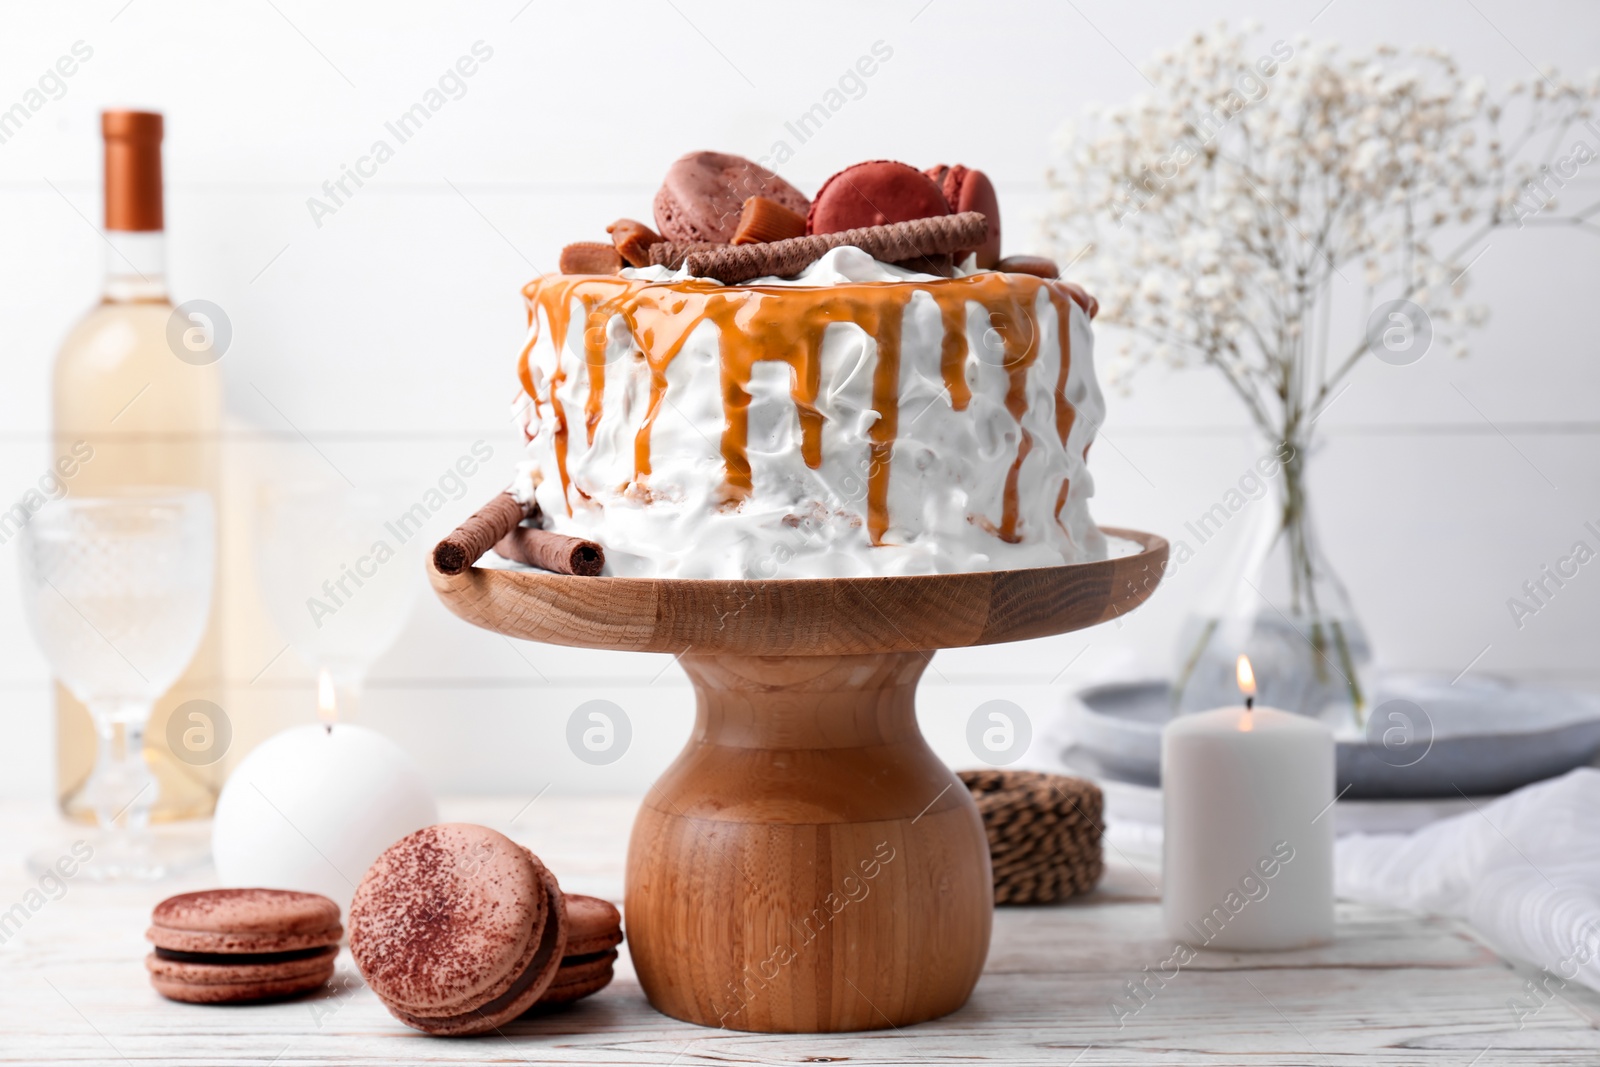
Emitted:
pixel 387 334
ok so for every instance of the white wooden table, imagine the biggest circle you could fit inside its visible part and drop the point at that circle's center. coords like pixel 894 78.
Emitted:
pixel 1394 989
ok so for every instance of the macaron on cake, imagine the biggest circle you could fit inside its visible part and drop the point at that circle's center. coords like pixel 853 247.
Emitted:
pixel 704 193
pixel 874 193
pixel 230 946
pixel 966 189
pixel 594 930
pixel 458 929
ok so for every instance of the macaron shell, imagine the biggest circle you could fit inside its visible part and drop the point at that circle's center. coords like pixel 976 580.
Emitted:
pixel 241 993
pixel 582 968
pixel 971 190
pixel 579 981
pixel 245 920
pixel 535 981
pixel 248 911
pixel 571 994
pixel 509 981
pixel 446 919
pixel 703 193
pixel 188 973
pixel 593 925
pixel 190 941
pixel 873 193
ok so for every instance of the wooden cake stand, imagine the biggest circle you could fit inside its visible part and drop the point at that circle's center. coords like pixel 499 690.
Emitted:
pixel 807 864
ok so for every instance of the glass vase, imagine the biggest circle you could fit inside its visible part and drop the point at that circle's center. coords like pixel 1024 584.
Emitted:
pixel 1279 602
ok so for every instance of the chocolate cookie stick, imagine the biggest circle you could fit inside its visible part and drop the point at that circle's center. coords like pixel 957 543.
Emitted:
pixel 498 525
pixel 552 551
pixel 890 243
pixel 478 534
pixel 671 254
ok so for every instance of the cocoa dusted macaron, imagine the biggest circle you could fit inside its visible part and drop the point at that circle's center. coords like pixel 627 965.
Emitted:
pixel 704 192
pixel 458 929
pixel 874 193
pixel 594 930
pixel 967 189
pixel 230 946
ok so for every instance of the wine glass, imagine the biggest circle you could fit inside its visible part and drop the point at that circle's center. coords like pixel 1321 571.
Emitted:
pixel 340 570
pixel 117 590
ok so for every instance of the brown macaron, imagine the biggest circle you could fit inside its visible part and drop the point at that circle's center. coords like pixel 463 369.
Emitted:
pixel 593 925
pixel 967 189
pixel 874 193
pixel 580 977
pixel 226 946
pixel 704 192
pixel 1038 266
pixel 594 930
pixel 457 929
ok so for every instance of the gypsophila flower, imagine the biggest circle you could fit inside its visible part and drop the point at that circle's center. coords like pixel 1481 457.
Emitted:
pixel 1215 213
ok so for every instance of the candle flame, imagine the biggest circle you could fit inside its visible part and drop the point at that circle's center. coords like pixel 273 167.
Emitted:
pixel 327 705
pixel 1247 677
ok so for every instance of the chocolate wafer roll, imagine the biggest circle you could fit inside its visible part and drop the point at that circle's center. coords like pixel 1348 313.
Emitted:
pixel 478 534
pixel 552 551
pixel 890 243
pixel 671 254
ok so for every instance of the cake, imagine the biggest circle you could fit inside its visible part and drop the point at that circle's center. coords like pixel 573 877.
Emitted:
pixel 851 417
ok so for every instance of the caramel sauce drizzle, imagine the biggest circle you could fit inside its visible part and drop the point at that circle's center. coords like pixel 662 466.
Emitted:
pixel 787 324
pixel 1066 413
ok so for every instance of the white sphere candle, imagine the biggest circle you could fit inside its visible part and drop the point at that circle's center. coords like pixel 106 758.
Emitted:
pixel 1248 836
pixel 312 807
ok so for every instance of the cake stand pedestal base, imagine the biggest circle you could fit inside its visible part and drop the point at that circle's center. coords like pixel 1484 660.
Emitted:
pixel 807 863
pixel 829 872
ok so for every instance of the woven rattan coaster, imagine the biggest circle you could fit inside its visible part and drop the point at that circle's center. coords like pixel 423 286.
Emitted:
pixel 1044 833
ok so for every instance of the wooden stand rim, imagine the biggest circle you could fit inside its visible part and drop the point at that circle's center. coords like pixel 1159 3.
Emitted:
pixel 806 616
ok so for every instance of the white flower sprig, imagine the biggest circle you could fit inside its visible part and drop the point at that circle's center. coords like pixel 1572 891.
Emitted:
pixel 1214 214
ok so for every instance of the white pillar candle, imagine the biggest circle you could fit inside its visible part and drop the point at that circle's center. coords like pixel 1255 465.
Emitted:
pixel 311 807
pixel 1248 836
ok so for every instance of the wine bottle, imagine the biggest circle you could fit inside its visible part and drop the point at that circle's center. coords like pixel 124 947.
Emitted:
pixel 135 393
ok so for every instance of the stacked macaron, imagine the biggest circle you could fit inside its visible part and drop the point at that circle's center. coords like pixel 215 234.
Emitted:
pixel 458 929
pixel 594 930
pixel 226 946
pixel 711 200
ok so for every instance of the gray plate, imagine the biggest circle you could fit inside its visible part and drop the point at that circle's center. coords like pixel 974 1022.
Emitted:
pixel 1425 737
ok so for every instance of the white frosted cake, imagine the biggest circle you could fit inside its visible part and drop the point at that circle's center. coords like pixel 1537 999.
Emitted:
pixel 854 419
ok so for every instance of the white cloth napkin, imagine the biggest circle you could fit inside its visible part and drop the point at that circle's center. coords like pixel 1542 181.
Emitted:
pixel 1524 870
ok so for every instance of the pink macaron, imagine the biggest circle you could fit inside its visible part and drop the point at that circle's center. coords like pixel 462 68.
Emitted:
pixel 967 189
pixel 703 193
pixel 874 193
